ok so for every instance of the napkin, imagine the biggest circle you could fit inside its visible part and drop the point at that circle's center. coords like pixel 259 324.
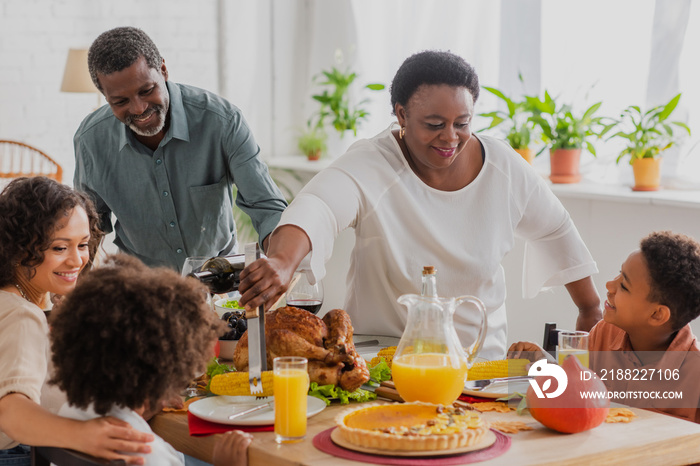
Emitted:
pixel 201 428
pixel 473 399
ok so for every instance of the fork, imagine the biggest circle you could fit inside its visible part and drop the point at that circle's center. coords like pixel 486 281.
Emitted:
pixel 269 404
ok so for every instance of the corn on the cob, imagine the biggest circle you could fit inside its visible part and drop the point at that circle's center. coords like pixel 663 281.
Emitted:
pixel 236 384
pixel 501 368
pixel 386 353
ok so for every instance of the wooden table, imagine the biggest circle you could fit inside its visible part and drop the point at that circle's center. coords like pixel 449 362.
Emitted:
pixel 649 439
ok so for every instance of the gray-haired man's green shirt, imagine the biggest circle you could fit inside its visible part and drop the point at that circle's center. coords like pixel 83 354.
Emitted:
pixel 176 201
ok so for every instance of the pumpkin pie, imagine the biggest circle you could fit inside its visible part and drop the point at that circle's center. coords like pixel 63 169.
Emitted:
pixel 411 427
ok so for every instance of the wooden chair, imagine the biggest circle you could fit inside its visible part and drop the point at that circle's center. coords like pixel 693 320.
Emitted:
pixel 44 456
pixel 18 159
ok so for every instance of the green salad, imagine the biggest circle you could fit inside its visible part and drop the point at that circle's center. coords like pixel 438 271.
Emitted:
pixel 328 393
pixel 232 304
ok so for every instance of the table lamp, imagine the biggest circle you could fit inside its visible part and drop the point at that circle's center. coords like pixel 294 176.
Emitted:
pixel 76 77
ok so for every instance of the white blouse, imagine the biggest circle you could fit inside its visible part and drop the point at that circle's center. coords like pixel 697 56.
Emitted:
pixel 401 224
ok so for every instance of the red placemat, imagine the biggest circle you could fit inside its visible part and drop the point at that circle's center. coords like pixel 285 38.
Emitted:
pixel 323 442
pixel 201 428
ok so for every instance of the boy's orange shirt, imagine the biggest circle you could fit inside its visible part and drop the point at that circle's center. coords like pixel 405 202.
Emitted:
pixel 610 350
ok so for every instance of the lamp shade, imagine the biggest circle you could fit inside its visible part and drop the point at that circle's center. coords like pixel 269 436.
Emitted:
pixel 76 77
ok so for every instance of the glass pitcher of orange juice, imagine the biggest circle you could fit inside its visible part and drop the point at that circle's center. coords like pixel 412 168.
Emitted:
pixel 430 364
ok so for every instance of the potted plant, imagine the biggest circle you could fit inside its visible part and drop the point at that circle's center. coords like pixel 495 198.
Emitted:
pixel 566 135
pixel 312 142
pixel 335 101
pixel 647 136
pixel 519 126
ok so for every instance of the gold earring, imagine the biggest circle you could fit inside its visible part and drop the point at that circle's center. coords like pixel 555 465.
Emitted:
pixel 402 132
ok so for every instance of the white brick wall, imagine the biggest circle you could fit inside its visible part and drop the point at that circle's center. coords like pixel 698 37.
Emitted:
pixel 35 36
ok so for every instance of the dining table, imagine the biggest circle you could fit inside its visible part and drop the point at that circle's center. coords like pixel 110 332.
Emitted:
pixel 650 438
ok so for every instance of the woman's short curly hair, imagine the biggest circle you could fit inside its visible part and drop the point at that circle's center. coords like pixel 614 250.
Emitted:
pixel 118 49
pixel 129 334
pixel 673 261
pixel 432 67
pixel 30 209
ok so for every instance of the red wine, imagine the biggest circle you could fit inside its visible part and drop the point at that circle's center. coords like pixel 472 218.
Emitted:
pixel 311 305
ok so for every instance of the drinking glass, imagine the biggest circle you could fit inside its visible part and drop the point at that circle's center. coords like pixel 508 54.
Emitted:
pixel 574 343
pixel 290 385
pixel 304 295
pixel 193 264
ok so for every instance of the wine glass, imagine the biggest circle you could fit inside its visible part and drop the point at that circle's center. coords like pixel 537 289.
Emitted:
pixel 304 295
pixel 193 264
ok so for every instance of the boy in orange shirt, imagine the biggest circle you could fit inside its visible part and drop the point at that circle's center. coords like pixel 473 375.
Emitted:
pixel 644 348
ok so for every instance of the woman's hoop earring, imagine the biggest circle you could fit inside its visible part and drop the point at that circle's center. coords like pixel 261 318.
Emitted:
pixel 402 132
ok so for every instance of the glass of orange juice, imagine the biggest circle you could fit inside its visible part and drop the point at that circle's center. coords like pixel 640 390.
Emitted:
pixel 573 343
pixel 291 387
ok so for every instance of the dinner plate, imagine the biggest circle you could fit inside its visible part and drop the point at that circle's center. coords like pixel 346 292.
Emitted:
pixel 500 389
pixel 219 408
pixel 488 440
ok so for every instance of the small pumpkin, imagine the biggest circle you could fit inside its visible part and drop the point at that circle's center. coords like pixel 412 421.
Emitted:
pixel 570 412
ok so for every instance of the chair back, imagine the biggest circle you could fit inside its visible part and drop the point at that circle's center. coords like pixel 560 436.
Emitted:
pixel 45 456
pixel 19 159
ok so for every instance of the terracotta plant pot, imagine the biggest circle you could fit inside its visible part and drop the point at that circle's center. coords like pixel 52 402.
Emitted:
pixel 564 165
pixel 527 154
pixel 647 174
pixel 314 155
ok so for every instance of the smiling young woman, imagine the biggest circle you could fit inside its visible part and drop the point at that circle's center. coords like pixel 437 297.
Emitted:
pixel 48 236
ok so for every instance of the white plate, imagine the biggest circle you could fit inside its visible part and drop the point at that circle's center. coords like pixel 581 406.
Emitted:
pixel 219 408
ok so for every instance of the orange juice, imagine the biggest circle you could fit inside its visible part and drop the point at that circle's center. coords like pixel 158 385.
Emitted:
pixel 428 377
pixel 582 355
pixel 291 387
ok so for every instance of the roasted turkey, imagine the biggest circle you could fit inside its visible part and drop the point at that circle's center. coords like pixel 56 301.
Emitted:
pixel 326 343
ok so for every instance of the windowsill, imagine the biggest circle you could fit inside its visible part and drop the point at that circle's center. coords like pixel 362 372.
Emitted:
pixel 298 163
pixel 619 193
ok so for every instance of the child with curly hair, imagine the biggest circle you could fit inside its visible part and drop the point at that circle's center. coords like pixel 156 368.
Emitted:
pixel 646 327
pixel 125 338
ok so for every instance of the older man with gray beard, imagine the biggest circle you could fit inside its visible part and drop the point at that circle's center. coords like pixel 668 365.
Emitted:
pixel 162 157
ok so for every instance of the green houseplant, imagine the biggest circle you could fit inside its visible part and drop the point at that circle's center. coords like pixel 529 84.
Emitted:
pixel 566 134
pixel 312 142
pixel 519 127
pixel 647 135
pixel 335 101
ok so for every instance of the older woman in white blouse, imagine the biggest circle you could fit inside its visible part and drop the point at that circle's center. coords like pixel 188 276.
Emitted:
pixel 429 192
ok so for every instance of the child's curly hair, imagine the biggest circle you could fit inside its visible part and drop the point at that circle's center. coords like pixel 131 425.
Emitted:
pixel 30 209
pixel 673 261
pixel 129 334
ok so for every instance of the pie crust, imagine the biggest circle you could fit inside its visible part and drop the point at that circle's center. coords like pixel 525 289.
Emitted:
pixel 411 427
